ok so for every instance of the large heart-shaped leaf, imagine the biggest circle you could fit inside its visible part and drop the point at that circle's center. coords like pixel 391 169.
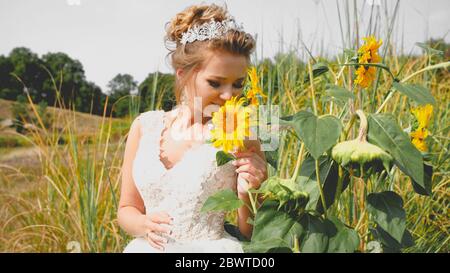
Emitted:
pixel 385 133
pixel 427 180
pixel 276 225
pixel 387 210
pixel 390 245
pixel 338 93
pixel 416 92
pixel 341 238
pixel 269 245
pixel 315 237
pixel 224 200
pixel 318 133
pixel 307 181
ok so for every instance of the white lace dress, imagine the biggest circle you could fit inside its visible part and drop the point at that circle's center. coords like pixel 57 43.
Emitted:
pixel 181 191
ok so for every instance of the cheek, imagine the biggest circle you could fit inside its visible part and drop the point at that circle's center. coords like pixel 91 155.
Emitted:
pixel 207 93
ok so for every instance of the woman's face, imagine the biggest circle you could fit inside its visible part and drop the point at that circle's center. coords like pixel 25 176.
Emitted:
pixel 221 77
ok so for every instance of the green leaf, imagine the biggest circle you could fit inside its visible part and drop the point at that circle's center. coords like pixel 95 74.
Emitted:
pixel 268 246
pixel 342 239
pixel 318 133
pixel 315 238
pixel 427 180
pixel 387 210
pixel 430 50
pixel 222 158
pixel 272 158
pixel 234 231
pixel 224 200
pixel 307 181
pixel 276 225
pixel 338 93
pixel 390 245
pixel 416 92
pixel 385 133
pixel 317 70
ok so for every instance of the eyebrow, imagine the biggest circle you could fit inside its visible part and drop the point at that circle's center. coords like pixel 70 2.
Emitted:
pixel 223 78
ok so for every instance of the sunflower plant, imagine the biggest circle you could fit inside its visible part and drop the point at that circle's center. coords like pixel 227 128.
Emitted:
pixel 339 194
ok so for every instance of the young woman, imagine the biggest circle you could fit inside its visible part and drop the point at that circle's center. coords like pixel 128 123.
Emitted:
pixel 167 178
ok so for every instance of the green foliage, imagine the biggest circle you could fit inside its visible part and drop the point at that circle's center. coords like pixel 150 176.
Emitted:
pixel 222 158
pixel 9 141
pixel 385 133
pixel 387 210
pixel 286 192
pixel 225 200
pixel 416 92
pixel 318 133
pixel 23 114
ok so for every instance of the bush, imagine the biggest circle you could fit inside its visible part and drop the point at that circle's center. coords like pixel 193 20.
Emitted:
pixel 10 141
pixel 22 114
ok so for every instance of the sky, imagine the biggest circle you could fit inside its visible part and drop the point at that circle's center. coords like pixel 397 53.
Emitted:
pixel 126 36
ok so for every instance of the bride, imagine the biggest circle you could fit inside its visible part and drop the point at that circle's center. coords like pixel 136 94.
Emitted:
pixel 165 178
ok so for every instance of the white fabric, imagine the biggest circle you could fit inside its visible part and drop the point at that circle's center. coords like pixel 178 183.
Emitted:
pixel 181 191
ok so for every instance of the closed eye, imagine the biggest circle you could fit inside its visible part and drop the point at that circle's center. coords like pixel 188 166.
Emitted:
pixel 213 84
pixel 216 85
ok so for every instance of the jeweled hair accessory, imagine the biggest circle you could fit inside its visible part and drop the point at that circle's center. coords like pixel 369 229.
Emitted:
pixel 209 30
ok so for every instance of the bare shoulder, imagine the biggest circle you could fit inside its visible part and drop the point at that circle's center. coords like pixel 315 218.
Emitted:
pixel 135 128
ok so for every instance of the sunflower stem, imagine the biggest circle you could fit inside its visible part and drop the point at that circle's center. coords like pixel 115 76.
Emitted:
pixel 362 134
pixel 313 95
pixel 299 161
pixel 322 196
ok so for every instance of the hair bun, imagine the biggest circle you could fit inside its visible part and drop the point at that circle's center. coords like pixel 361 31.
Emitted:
pixel 193 15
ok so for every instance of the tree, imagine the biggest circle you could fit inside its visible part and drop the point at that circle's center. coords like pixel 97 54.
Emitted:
pixel 27 66
pixel 120 89
pixel 7 90
pixel 68 73
pixel 157 88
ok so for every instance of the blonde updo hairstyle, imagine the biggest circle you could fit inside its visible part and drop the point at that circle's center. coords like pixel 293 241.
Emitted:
pixel 191 56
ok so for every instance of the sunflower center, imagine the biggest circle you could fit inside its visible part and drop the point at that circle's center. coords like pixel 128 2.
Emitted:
pixel 228 117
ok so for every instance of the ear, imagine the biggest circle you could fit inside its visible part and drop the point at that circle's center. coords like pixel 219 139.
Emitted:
pixel 179 73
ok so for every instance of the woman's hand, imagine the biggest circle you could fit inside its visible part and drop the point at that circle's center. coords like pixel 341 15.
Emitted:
pixel 252 168
pixel 153 225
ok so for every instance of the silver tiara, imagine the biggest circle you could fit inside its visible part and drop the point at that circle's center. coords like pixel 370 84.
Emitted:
pixel 210 30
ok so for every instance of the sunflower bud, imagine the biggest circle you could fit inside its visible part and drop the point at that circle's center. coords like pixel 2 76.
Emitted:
pixel 286 192
pixel 359 153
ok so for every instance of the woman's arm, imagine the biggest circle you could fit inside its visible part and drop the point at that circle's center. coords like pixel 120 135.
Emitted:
pixel 131 211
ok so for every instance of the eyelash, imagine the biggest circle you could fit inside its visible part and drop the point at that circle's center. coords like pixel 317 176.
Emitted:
pixel 216 85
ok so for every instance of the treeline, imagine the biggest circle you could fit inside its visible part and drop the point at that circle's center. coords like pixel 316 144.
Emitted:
pixel 56 78
pixel 58 71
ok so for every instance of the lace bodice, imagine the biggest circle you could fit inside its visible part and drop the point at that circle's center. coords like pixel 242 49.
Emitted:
pixel 183 189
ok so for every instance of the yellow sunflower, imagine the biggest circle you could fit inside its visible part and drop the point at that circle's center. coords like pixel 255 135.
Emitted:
pixel 418 139
pixel 232 124
pixel 423 116
pixel 255 90
pixel 367 54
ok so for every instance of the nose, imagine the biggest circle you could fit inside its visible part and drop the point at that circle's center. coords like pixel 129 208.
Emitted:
pixel 227 94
